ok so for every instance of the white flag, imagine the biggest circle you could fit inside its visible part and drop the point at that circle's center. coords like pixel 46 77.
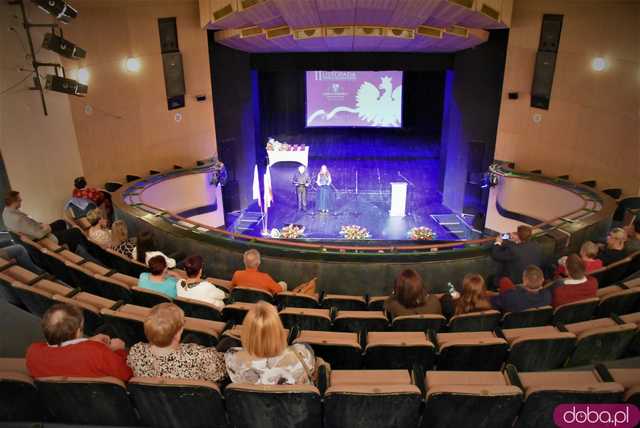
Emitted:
pixel 268 193
pixel 256 186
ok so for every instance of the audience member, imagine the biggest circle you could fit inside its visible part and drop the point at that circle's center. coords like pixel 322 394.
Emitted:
pixel 18 222
pixel 98 197
pixel 588 253
pixel 159 279
pixel 474 296
pixel 67 353
pixel 146 249
pixel 614 252
pixel 411 297
pixel 515 254
pixel 251 277
pixel 165 356
pixel 99 231
pixel 21 256
pixel 633 237
pixel 120 241
pixel 577 287
pixel 265 358
pixel 526 296
pixel 193 287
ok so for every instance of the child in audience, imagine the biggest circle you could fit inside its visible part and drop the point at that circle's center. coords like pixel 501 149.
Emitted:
pixel 265 358
pixel 120 241
pixel 195 288
pixel 410 296
pixel 165 356
pixel 474 296
pixel 99 231
pixel 588 253
pixel 159 279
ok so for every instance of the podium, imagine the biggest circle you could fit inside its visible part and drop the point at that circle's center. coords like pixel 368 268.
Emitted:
pixel 398 199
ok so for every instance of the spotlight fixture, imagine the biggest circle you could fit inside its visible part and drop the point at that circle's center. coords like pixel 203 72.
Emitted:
pixel 65 86
pixel 83 76
pixel 599 63
pixel 132 64
pixel 62 46
pixel 58 8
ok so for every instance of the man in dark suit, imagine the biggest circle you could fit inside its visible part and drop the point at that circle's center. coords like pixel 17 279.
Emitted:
pixel 515 254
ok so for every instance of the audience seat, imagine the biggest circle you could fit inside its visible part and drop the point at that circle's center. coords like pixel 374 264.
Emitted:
pixel 92 318
pixel 538 348
pixel 198 309
pixel 344 302
pixel 619 303
pixel 35 299
pixel 19 400
pixel 470 400
pixel 581 310
pixel 340 350
pixel 251 295
pixel 600 340
pixel 88 401
pixel 297 300
pixel 177 403
pixel 630 380
pixel 127 323
pixel 357 321
pixel 371 398
pixel 236 312
pixel 473 351
pixel 399 350
pixel 148 298
pixel 476 321
pixel 202 332
pixel 545 391
pixel 533 317
pixel 420 322
pixel 273 406
pixel 306 319
pixel 376 303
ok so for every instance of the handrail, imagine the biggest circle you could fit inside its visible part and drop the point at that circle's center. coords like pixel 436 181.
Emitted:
pixel 582 191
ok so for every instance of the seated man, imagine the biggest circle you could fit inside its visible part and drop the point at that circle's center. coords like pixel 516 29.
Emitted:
pixel 98 197
pixel 67 353
pixel 18 222
pixel 526 296
pixel 577 287
pixel 18 253
pixel 250 277
pixel 633 237
pixel 515 254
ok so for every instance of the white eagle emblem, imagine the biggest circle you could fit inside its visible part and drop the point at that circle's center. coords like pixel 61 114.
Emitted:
pixel 381 110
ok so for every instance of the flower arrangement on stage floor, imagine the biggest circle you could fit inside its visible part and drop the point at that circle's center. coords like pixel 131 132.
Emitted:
pixel 292 231
pixel 422 233
pixel 354 232
pixel 274 145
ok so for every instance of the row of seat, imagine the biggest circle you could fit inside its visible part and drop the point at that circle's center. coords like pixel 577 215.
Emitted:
pixel 363 398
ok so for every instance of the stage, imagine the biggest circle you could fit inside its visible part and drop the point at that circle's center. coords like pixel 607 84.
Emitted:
pixel 362 176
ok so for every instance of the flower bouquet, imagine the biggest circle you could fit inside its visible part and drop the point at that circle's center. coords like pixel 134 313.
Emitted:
pixel 422 233
pixel 354 232
pixel 292 231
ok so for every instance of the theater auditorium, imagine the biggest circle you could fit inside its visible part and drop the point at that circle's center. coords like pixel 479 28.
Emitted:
pixel 320 213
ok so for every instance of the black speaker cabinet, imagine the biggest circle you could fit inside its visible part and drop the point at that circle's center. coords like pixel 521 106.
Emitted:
pixel 173 74
pixel 550 33
pixel 543 79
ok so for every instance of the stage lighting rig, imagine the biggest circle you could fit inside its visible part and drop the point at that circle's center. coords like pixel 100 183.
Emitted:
pixel 62 10
pixel 65 86
pixel 64 47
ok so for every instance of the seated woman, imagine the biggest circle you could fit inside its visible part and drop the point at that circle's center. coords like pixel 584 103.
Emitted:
pixel 195 288
pixel 165 356
pixel 120 241
pixel 265 358
pixel 146 249
pixel 99 231
pixel 159 279
pixel 474 296
pixel 410 296
pixel 588 254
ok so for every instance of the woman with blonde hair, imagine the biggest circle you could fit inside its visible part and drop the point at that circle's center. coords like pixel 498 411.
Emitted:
pixel 99 231
pixel 265 358
pixel 165 356
pixel 120 241
pixel 474 296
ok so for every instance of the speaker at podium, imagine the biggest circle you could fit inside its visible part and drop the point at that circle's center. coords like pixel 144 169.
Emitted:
pixel 398 199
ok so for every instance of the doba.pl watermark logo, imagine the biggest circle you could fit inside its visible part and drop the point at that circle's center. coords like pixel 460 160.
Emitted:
pixel 596 415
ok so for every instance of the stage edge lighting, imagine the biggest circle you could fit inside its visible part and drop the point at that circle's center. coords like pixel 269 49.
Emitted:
pixel 63 11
